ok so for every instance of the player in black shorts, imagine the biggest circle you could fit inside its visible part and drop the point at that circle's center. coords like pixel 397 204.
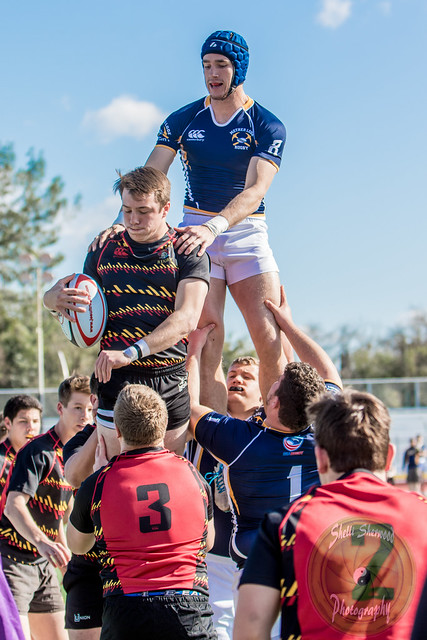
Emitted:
pixel 154 296
pixel 150 511
pixel 32 538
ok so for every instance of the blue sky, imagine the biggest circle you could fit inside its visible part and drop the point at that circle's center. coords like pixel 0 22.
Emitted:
pixel 89 83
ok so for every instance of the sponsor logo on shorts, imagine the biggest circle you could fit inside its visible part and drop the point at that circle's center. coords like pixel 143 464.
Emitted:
pixel 182 384
pixel 79 618
pixel 196 134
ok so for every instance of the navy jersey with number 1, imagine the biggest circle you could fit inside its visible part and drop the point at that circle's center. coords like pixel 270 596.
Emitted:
pixel 264 468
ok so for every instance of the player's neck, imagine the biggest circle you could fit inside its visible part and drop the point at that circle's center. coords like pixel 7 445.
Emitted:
pixel 240 413
pixel 224 109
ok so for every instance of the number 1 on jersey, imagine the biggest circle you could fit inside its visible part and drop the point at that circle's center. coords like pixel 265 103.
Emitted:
pixel 295 478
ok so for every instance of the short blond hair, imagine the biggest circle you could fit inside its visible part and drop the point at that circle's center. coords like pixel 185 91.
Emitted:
pixel 140 415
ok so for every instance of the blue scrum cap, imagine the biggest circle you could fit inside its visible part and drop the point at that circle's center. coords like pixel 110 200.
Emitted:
pixel 229 44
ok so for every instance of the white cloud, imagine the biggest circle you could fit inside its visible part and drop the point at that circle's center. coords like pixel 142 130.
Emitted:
pixel 124 116
pixel 78 228
pixel 385 7
pixel 65 102
pixel 334 13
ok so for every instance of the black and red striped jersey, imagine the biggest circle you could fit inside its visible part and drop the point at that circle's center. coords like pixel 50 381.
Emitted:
pixel 38 471
pixel 7 456
pixel 149 510
pixel 349 559
pixel 140 282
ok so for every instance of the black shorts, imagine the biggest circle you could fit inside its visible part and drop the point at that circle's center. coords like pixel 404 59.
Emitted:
pixel 171 385
pixel 83 606
pixel 176 617
pixel 35 587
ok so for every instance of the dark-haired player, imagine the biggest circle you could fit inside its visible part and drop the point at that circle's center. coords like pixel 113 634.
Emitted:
pixel 32 539
pixel 154 297
pixel 22 420
pixel 231 149
pixel 269 458
pixel 349 558
pixel 151 514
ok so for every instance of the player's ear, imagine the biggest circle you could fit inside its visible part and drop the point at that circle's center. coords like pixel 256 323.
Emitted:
pixel 7 423
pixel 390 456
pixel 165 209
pixel 322 459
pixel 60 408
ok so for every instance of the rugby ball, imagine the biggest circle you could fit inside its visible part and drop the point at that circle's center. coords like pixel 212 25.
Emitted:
pixel 90 324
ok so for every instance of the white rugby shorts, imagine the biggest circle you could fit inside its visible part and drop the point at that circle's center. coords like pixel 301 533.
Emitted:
pixel 239 253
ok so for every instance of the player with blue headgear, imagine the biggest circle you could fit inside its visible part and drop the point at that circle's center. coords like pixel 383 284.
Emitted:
pixel 232 46
pixel 231 149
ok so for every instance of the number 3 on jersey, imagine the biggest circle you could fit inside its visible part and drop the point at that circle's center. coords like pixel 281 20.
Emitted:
pixel 159 516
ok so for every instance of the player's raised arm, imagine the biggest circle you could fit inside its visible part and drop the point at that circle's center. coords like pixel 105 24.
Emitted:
pixel 160 158
pixel 196 342
pixel 305 347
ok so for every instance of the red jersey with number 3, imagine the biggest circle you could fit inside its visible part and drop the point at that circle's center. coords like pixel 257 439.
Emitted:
pixel 149 510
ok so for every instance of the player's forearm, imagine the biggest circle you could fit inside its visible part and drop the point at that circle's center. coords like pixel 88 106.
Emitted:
pixel 176 327
pixel 242 205
pixel 17 512
pixel 309 351
pixel 80 465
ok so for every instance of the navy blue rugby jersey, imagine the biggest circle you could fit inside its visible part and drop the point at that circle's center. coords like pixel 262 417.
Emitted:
pixel 38 471
pixel 205 464
pixel 215 157
pixel 264 468
pixel 140 282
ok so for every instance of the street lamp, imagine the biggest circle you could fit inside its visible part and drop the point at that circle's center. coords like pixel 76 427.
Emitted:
pixel 40 263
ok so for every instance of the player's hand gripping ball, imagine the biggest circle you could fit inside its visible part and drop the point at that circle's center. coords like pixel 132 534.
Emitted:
pixel 89 325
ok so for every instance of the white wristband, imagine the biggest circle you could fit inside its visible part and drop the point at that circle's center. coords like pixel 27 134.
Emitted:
pixel 52 311
pixel 217 225
pixel 137 351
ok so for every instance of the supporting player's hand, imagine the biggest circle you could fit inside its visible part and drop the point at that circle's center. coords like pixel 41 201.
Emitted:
pixel 197 340
pixel 64 299
pixel 100 454
pixel 107 361
pixel 192 237
pixel 105 235
pixel 58 554
pixel 281 313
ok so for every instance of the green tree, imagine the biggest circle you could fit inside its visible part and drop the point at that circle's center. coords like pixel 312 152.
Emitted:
pixel 28 209
pixel 29 206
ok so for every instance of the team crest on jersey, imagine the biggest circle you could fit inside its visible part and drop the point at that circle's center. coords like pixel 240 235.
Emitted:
pixel 241 139
pixel 164 131
pixel 293 443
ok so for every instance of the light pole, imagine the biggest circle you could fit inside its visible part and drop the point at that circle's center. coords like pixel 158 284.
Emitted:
pixel 40 262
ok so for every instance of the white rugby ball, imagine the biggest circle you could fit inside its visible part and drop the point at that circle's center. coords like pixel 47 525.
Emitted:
pixel 90 324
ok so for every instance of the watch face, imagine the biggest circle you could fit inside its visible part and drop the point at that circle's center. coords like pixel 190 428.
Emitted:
pixel 361 576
